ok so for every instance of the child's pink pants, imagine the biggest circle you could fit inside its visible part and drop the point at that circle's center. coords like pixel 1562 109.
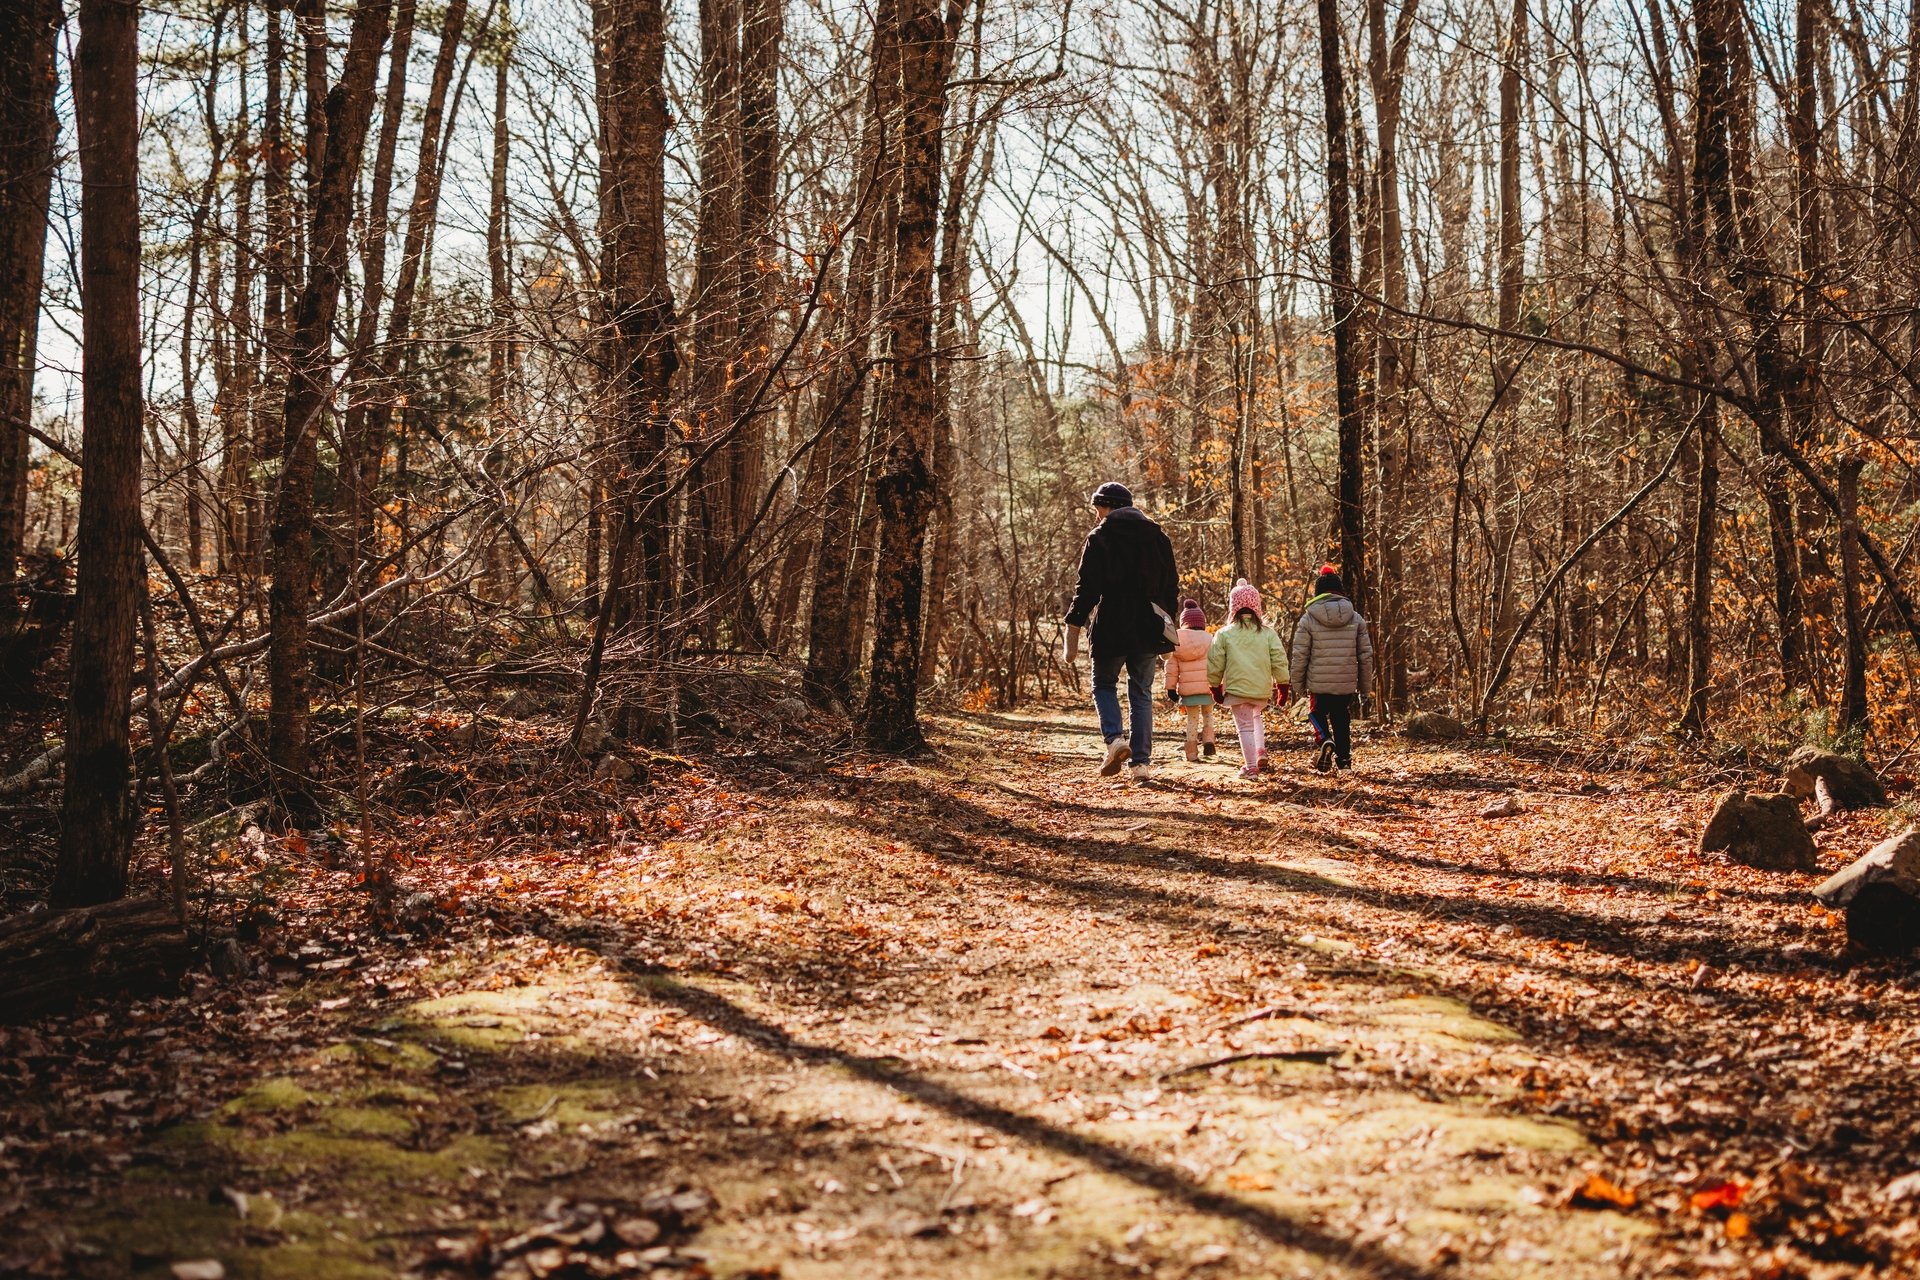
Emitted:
pixel 1252 728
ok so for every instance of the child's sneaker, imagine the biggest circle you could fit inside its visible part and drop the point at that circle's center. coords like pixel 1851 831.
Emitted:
pixel 1249 771
pixel 1193 753
pixel 1323 758
pixel 1207 750
pixel 1117 753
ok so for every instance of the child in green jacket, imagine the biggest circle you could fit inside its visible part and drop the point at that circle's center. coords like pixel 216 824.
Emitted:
pixel 1246 667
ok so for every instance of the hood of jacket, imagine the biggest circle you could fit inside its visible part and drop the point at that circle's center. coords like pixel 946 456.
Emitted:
pixel 1331 611
pixel 1191 645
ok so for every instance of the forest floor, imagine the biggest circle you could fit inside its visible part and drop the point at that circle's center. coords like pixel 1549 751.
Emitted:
pixel 989 1015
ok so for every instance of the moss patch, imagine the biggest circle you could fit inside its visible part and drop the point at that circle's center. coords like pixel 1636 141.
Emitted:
pixel 393 1055
pixel 1441 1015
pixel 1457 1131
pixel 146 1234
pixel 272 1095
pixel 576 1103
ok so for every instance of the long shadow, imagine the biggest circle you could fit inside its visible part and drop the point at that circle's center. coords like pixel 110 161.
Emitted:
pixel 1540 920
pixel 1335 839
pixel 1582 879
pixel 1176 909
pixel 1086 728
pixel 721 1013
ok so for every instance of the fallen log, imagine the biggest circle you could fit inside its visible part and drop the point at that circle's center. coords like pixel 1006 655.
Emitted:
pixel 49 961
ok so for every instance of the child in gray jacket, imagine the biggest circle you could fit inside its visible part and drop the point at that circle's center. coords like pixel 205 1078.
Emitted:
pixel 1332 661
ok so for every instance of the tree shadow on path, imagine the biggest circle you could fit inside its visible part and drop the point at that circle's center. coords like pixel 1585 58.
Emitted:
pixel 1276 1228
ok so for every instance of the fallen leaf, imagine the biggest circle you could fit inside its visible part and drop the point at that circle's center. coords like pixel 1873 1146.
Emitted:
pixel 1598 1193
pixel 1719 1194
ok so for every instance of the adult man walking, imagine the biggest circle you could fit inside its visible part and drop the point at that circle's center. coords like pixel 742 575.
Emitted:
pixel 1127 592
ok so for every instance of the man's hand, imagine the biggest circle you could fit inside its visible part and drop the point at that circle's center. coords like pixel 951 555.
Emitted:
pixel 1070 647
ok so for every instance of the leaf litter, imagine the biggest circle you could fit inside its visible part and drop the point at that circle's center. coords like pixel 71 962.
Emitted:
pixel 987 1016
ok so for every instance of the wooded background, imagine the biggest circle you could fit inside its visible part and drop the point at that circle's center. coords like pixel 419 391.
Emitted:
pixel 384 350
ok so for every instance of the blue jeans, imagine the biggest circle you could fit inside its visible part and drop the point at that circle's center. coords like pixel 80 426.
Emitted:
pixel 1106 699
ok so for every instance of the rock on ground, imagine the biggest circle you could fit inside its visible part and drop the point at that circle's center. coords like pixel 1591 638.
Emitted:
pixel 1505 807
pixel 1434 726
pixel 1759 830
pixel 1851 783
pixel 1880 890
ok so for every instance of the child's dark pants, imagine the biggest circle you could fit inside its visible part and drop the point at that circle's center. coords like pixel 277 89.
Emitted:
pixel 1331 715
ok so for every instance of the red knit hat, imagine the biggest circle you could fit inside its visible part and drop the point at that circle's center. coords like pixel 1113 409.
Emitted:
pixel 1192 616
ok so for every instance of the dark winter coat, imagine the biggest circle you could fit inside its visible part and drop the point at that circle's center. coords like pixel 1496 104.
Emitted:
pixel 1332 652
pixel 1125 569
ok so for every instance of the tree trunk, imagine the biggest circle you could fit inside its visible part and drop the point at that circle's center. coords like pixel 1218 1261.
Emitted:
pixel 1706 523
pixel 955 271
pixel 502 355
pixel 97 813
pixel 422 210
pixel 830 653
pixel 630 92
pixel 360 450
pixel 1512 268
pixel 1854 719
pixel 717 282
pixel 905 489
pixel 1386 68
pixel 277 274
pixel 28 131
pixel 349 111
pixel 1351 518
pixel 1803 397
pixel 761 32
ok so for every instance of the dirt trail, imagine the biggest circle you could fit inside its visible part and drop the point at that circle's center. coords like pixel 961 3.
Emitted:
pixel 993 1016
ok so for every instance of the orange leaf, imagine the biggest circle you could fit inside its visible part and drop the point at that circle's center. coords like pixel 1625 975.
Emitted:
pixel 1738 1227
pixel 1598 1193
pixel 1250 1181
pixel 1717 1195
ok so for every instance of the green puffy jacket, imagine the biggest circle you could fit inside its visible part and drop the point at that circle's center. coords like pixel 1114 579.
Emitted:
pixel 1247 661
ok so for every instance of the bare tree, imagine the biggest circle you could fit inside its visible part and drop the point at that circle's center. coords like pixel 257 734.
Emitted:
pixel 97 814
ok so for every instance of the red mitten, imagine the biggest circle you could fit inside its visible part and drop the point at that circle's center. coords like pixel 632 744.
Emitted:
pixel 1219 694
pixel 1282 694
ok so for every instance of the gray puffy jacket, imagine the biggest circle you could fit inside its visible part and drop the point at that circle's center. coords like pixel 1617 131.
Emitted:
pixel 1332 652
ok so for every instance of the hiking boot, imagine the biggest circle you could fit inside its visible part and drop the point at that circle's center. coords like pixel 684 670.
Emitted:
pixel 1117 754
pixel 1141 773
pixel 1193 753
pixel 1207 750
pixel 1323 758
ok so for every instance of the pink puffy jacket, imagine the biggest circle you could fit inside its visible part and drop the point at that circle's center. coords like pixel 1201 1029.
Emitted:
pixel 1187 664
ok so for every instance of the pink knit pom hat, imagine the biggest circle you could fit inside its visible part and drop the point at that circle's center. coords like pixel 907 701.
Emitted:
pixel 1192 616
pixel 1245 596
